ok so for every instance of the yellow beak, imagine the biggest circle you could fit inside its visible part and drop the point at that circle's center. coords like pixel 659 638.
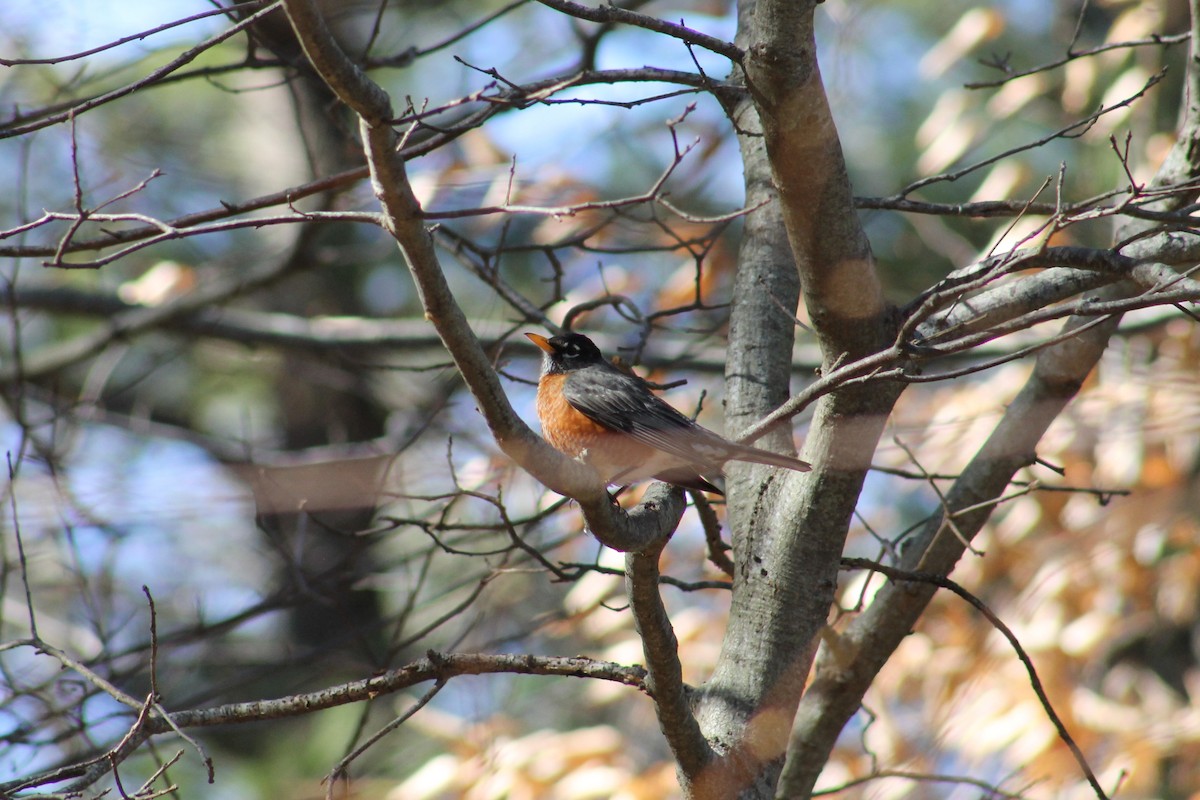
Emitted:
pixel 540 341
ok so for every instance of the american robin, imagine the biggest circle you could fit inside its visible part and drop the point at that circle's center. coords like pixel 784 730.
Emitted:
pixel 590 408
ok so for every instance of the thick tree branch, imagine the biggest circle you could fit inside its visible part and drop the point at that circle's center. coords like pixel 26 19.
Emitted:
pixel 837 689
pixel 665 673
pixel 403 219
pixel 975 275
pixel 788 530
pixel 1059 372
pixel 833 256
pixel 1069 271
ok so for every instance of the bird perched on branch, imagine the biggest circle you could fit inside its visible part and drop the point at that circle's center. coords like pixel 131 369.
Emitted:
pixel 593 411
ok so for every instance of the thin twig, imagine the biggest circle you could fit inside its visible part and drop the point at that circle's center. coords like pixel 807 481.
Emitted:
pixel 613 13
pixel 947 517
pixel 21 559
pixel 1072 55
pixel 244 5
pixel 1073 130
pixel 897 574
pixel 184 58
pixel 339 770
pixel 718 550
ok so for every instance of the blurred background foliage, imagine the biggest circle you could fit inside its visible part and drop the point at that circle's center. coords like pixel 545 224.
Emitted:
pixel 173 459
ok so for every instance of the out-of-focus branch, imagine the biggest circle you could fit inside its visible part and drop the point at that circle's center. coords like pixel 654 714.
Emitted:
pixel 244 5
pixel 138 319
pixel 179 61
pixel 1073 54
pixel 356 336
pixel 1076 128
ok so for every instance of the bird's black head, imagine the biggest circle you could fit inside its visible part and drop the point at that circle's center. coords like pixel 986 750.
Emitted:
pixel 567 352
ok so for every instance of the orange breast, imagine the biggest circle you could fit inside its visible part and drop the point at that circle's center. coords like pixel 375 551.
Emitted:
pixel 614 455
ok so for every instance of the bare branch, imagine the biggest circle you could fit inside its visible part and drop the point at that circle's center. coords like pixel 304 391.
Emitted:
pixel 339 769
pixel 1077 128
pixel 997 623
pixel 187 221
pixel 1073 55
pixel 242 5
pixel 53 358
pixel 186 57
pixel 991 790
pixel 614 13
pixel 435 666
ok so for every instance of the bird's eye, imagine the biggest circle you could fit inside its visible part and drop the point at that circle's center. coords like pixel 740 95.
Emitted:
pixel 571 350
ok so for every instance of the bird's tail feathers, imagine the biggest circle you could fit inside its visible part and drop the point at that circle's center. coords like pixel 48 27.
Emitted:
pixel 758 456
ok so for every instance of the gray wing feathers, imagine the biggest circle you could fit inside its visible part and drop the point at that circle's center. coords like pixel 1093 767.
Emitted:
pixel 623 402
